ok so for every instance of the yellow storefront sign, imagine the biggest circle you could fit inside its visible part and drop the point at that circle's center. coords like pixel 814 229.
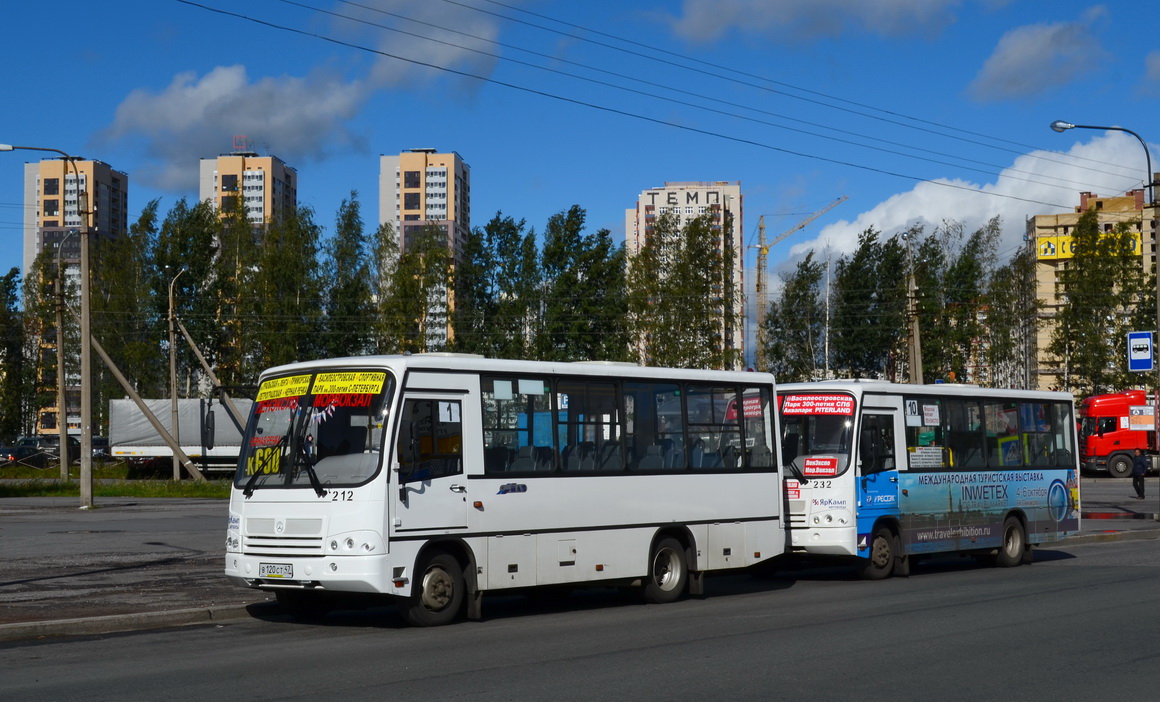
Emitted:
pixel 358 382
pixel 1060 247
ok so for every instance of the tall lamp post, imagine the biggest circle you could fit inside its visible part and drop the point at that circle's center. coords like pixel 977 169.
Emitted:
pixel 86 355
pixel 1150 202
pixel 173 415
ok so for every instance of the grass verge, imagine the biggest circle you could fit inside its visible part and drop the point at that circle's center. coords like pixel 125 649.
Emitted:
pixel 218 489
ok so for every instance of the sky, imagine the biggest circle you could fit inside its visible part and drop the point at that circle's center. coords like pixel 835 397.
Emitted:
pixel 919 112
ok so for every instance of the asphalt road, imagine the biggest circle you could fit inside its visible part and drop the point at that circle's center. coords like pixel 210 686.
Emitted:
pixel 1080 623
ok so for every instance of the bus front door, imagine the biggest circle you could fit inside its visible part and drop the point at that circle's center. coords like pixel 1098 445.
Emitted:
pixel 431 488
pixel 879 457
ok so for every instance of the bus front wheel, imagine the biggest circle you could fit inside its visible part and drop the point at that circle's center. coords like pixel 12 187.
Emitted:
pixel 1014 544
pixel 668 573
pixel 440 595
pixel 883 552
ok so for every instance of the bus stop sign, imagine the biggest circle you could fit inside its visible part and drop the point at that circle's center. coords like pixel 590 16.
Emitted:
pixel 1140 351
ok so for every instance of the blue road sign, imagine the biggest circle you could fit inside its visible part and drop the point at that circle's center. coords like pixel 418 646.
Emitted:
pixel 1140 351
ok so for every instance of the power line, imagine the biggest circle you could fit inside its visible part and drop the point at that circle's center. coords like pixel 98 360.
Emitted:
pixel 617 111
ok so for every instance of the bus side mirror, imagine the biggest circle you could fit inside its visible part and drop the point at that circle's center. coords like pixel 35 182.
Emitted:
pixel 207 430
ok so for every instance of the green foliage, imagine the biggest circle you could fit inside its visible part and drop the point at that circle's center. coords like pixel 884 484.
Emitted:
pixel 349 293
pixel 584 299
pixel 16 386
pixel 869 306
pixel 1012 321
pixel 185 255
pixel 285 295
pixel 414 310
pixel 678 288
pixel 795 324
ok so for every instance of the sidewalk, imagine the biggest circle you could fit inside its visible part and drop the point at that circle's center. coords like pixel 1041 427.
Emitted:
pixel 140 564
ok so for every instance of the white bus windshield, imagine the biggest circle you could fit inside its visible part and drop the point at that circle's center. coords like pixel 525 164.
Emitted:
pixel 315 430
pixel 816 433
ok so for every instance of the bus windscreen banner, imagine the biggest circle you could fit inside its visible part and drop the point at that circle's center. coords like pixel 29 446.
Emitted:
pixel 818 404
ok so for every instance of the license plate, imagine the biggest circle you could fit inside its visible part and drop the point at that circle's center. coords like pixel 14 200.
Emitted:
pixel 275 570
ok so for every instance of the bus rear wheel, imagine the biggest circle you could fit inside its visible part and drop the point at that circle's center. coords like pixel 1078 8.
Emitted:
pixel 1120 466
pixel 439 598
pixel 1014 544
pixel 883 553
pixel 668 573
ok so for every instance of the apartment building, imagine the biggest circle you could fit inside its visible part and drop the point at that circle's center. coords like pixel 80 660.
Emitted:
pixel 419 188
pixel 54 215
pixel 721 201
pixel 1052 236
pixel 266 187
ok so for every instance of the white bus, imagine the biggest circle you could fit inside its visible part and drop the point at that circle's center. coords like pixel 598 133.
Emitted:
pixel 883 472
pixel 435 478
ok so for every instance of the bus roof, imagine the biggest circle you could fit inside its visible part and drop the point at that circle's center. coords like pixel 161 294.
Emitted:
pixel 458 363
pixel 859 387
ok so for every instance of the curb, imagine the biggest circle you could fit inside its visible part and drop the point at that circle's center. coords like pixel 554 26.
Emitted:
pixel 115 623
pixel 1104 537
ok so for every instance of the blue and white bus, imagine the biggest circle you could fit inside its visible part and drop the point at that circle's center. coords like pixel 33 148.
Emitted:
pixel 436 478
pixel 885 472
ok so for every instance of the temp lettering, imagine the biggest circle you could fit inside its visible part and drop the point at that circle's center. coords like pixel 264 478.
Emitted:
pixel 343 400
pixel 984 492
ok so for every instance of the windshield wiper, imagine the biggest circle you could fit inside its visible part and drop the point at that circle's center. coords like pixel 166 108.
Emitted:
pixel 303 458
pixel 248 491
pixel 796 471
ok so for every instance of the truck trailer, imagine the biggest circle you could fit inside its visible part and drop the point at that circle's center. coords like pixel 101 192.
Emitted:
pixel 208 433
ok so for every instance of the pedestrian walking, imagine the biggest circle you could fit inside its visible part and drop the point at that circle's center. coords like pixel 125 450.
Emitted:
pixel 1139 470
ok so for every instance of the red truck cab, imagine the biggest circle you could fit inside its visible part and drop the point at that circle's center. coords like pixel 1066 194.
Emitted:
pixel 1107 438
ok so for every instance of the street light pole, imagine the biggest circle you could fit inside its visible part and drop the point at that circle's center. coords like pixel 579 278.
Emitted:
pixel 86 354
pixel 173 413
pixel 1150 203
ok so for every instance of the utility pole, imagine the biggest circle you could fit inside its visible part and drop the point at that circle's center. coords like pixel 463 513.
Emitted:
pixel 912 311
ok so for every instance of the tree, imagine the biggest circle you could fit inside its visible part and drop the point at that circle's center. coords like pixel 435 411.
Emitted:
pixel 415 306
pixel 1103 286
pixel 1013 321
pixel 124 317
pixel 15 379
pixel 795 324
pixel 475 296
pixel 187 253
pixel 285 297
pixel 869 306
pixel 584 299
pixel 231 292
pixel 349 296
pixel 677 297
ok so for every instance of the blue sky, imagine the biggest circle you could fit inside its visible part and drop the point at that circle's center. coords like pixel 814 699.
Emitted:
pixel 916 110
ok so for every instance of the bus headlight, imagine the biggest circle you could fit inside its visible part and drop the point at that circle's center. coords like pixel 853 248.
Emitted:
pixel 356 543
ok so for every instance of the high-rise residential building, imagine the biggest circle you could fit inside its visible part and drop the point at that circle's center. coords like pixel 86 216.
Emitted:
pixel 54 216
pixel 719 200
pixel 52 211
pixel 265 185
pixel 419 188
pixel 1052 237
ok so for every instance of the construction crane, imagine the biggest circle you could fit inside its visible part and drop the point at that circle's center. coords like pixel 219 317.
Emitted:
pixel 763 274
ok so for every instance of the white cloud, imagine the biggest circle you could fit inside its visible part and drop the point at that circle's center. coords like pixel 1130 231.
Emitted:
pixel 709 20
pixel 299 119
pixel 1033 59
pixel 1150 86
pixel 1109 164
pixel 196 117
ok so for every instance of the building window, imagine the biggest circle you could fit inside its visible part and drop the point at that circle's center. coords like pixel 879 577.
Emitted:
pixel 52 186
pixel 411 201
pixel 411 179
pixel 230 183
pixel 52 208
